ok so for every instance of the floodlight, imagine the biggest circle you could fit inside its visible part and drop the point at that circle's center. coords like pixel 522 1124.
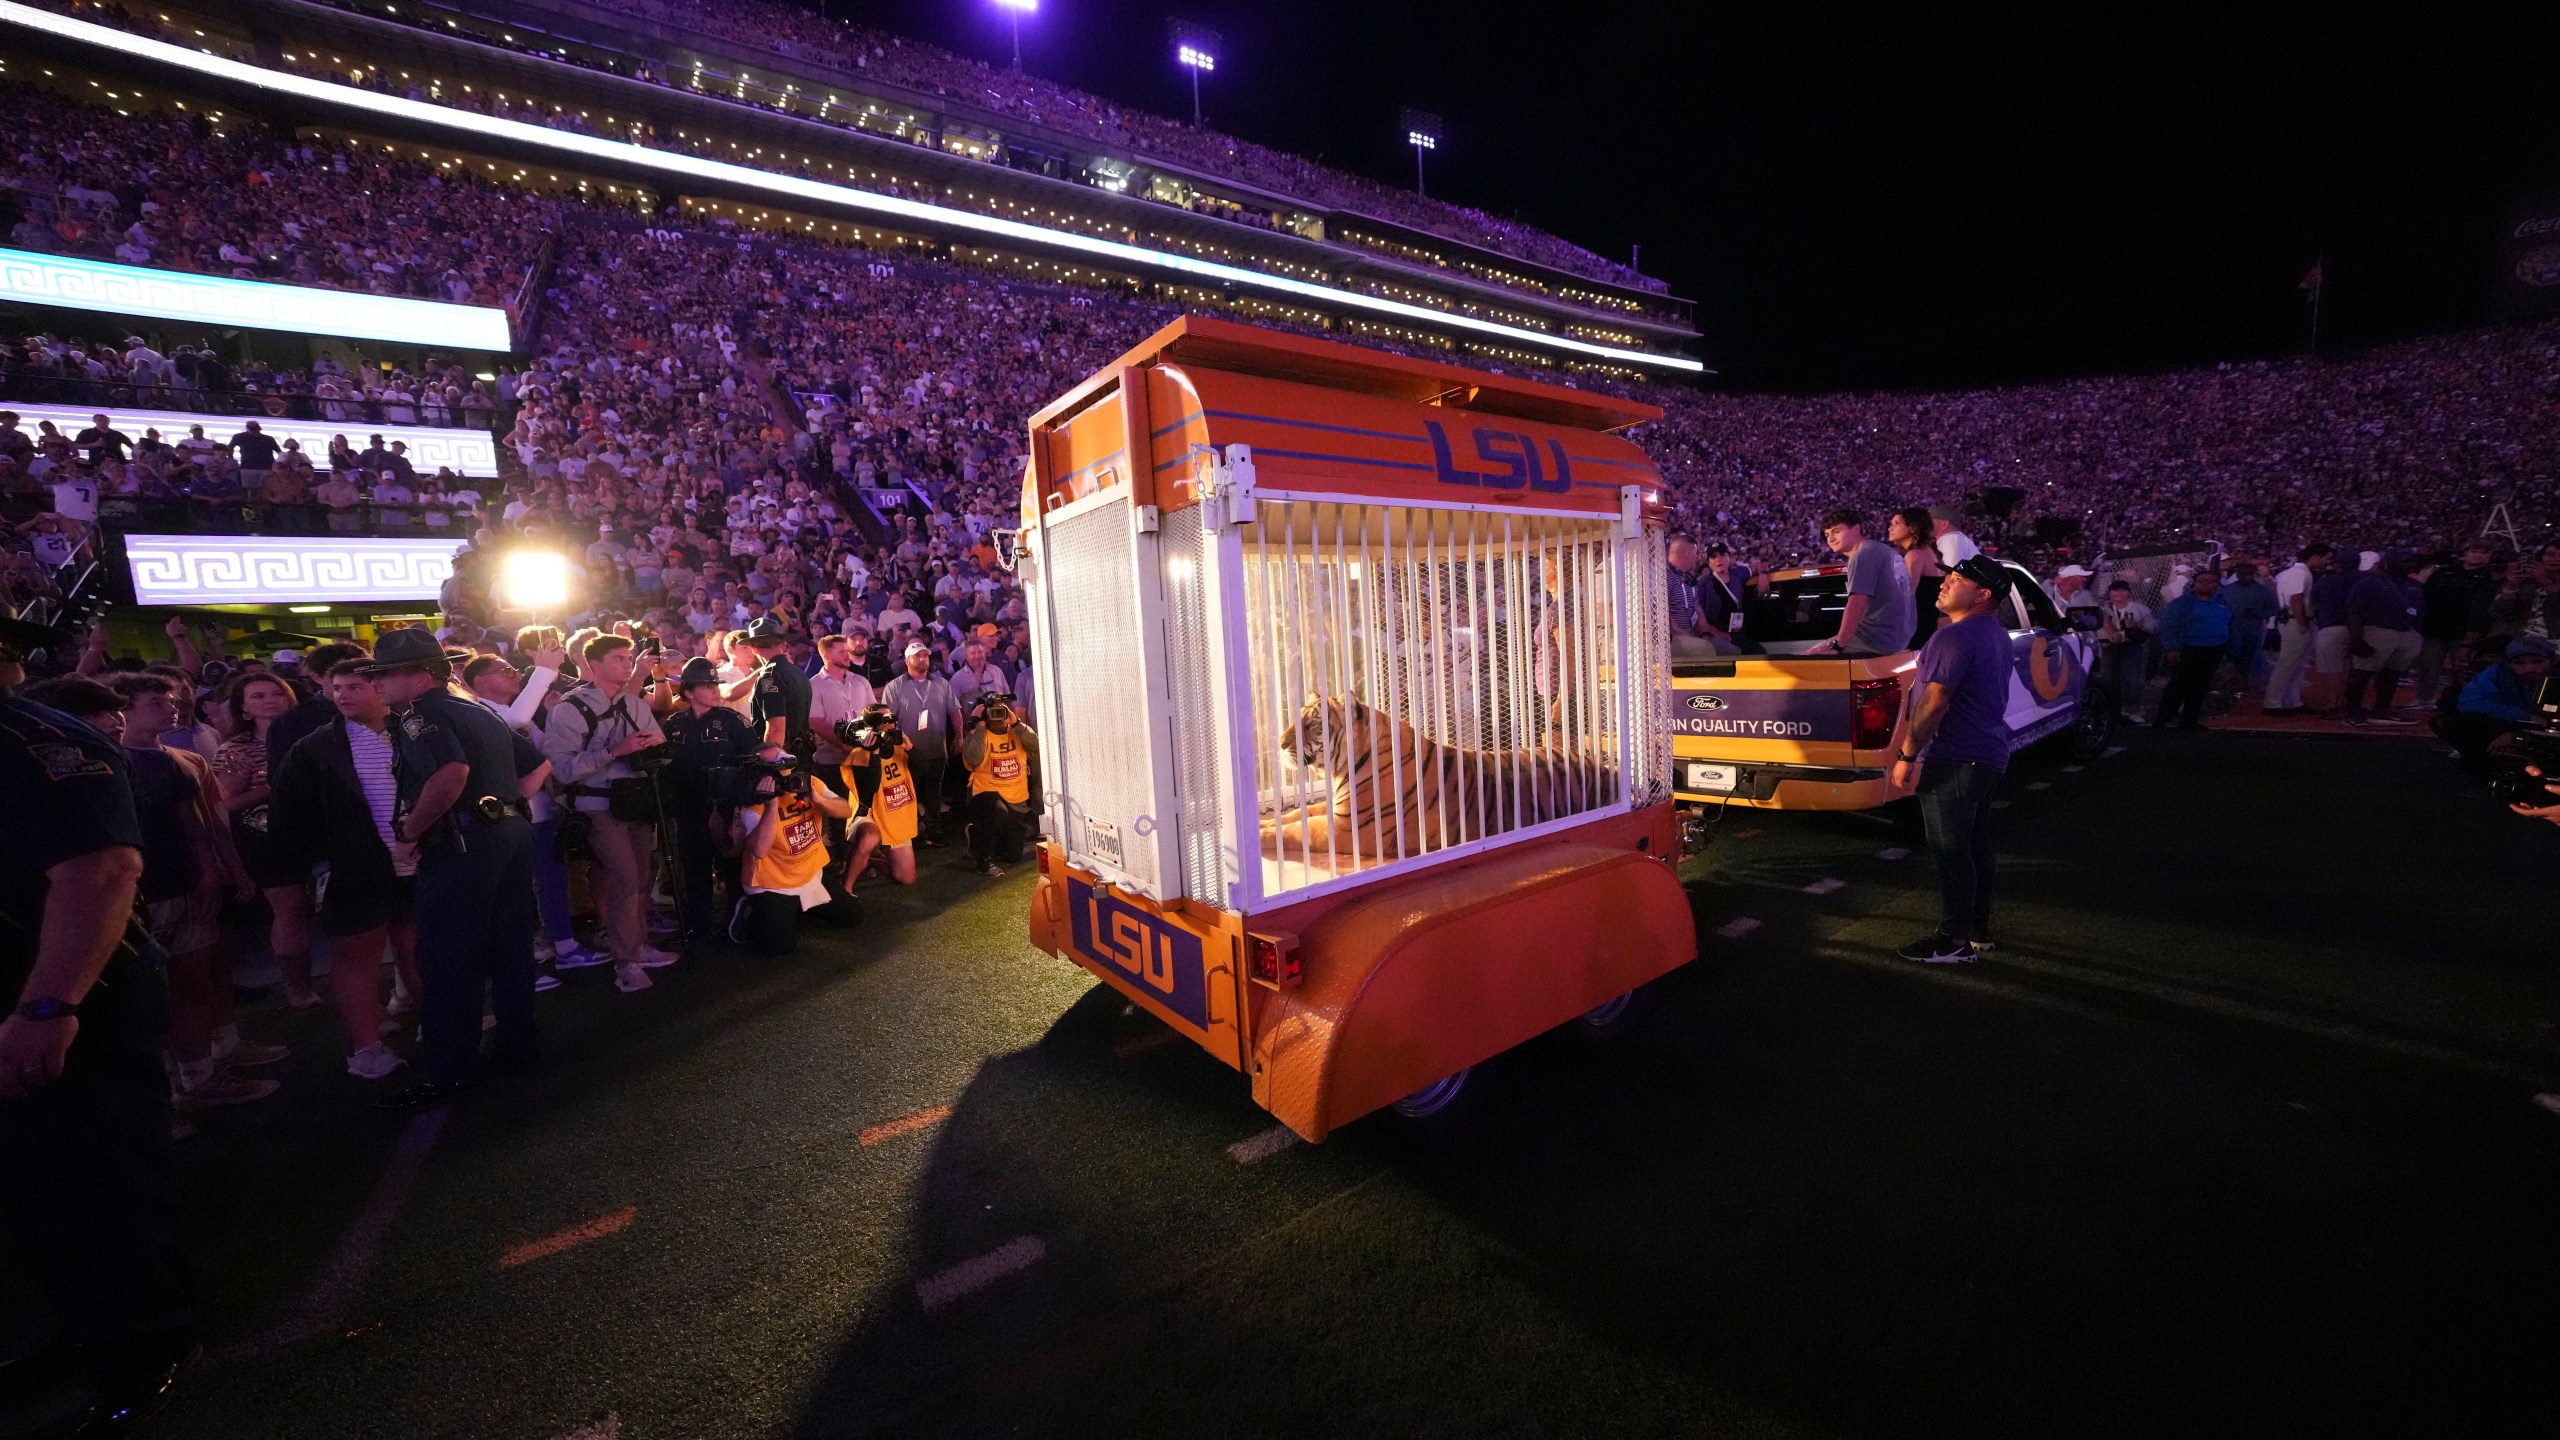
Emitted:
pixel 1195 48
pixel 534 580
pixel 1422 132
pixel 1014 11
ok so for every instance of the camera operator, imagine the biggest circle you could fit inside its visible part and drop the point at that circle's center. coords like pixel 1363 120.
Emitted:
pixel 707 739
pixel 782 854
pixel 1003 760
pixel 594 735
pixel 877 768
pixel 2498 700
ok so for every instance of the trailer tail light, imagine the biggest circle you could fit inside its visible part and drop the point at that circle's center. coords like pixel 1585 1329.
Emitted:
pixel 1873 706
pixel 1274 959
pixel 1040 857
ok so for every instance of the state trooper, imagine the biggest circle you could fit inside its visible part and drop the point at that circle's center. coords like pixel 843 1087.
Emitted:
pixel 87 1175
pixel 779 707
pixel 707 738
pixel 463 776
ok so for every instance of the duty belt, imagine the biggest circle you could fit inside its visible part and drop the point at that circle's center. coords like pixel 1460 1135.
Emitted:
pixel 493 808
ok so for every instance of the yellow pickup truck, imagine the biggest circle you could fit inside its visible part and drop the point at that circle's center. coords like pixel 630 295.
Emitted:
pixel 1787 730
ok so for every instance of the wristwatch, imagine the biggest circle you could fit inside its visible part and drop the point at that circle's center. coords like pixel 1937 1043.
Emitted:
pixel 47 1007
pixel 1906 759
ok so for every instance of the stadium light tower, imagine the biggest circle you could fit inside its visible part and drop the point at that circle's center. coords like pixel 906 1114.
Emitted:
pixel 1195 48
pixel 1014 10
pixel 1422 132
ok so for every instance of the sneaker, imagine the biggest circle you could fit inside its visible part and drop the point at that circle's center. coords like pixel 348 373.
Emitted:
pixel 301 997
pixel 543 981
pixel 402 1003
pixel 989 867
pixel 570 955
pixel 542 950
pixel 373 1062
pixel 631 979
pixel 653 958
pixel 2389 719
pixel 1938 949
pixel 224 1088
pixel 2356 718
pixel 247 1055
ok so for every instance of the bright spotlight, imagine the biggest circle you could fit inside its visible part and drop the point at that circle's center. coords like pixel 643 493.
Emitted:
pixel 534 581
pixel 1196 59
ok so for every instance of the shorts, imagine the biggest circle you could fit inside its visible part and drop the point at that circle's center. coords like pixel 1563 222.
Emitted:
pixel 2392 650
pixel 359 903
pixel 184 924
pixel 2329 650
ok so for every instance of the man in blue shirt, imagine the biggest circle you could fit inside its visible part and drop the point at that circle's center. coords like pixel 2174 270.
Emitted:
pixel 2382 637
pixel 2195 632
pixel 2253 606
pixel 1955 743
pixel 2498 699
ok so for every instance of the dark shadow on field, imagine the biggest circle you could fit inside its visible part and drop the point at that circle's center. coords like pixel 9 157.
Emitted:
pixel 1871 1201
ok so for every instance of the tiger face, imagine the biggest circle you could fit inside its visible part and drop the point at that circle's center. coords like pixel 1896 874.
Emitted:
pixel 1323 736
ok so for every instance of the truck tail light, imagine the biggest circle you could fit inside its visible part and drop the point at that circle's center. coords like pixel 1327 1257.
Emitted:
pixel 1040 857
pixel 1274 959
pixel 1873 706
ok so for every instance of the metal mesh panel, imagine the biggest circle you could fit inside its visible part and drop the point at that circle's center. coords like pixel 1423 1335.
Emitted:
pixel 1099 733
pixel 1198 770
pixel 1424 679
pixel 1648 669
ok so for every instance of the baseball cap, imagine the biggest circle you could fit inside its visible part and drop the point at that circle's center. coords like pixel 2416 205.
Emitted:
pixel 1988 573
pixel 285 657
pixel 2531 645
pixel 918 647
pixel 2068 571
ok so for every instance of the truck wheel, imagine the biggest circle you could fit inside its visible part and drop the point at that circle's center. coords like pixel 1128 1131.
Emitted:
pixel 2095 725
pixel 1435 1099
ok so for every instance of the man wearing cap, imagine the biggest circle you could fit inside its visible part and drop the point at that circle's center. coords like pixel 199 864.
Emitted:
pixel 2382 637
pixel 461 811
pixel 929 713
pixel 779 699
pixel 706 736
pixel 1955 744
pixel 2498 699
pixel 2195 633
pixel 2071 590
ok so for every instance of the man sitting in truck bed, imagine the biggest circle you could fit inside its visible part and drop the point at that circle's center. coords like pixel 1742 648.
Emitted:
pixel 1878 619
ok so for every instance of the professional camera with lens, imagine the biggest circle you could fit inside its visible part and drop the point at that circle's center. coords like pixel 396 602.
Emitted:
pixel 992 707
pixel 874 730
pixel 744 784
pixel 651 760
pixel 2537 745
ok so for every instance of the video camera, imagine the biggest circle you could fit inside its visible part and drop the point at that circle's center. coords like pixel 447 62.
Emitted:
pixel 875 729
pixel 745 784
pixel 991 705
pixel 2537 744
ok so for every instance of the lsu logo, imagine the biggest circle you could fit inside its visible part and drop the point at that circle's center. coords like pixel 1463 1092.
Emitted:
pixel 2050 670
pixel 1521 466
pixel 1706 702
pixel 1152 958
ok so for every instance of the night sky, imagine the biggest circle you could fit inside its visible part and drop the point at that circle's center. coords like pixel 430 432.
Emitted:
pixel 1916 200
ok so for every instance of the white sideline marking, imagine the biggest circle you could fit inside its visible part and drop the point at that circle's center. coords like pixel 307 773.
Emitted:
pixel 608 1428
pixel 1893 852
pixel 2073 769
pixel 1823 886
pixel 324 1308
pixel 1263 1146
pixel 970 1276
pixel 2112 752
pixel 2039 784
pixel 1735 929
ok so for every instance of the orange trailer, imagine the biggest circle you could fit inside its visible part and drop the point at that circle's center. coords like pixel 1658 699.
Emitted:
pixel 1352 674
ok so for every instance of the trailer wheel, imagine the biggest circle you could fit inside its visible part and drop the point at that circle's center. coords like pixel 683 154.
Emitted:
pixel 1610 1018
pixel 1435 1099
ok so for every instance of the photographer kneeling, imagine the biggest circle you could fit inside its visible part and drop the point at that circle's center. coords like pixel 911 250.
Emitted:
pixel 782 852
pixel 2498 700
pixel 1003 760
pixel 876 767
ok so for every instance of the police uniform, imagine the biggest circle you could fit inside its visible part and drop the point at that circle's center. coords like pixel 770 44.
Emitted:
pixel 701 744
pixel 86 1170
pixel 782 691
pixel 475 902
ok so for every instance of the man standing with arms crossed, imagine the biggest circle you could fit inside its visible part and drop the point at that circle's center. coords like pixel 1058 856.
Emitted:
pixel 2293 613
pixel 1955 744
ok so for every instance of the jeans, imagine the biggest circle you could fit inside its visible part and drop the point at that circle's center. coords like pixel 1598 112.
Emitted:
pixel 2248 640
pixel 2129 671
pixel 2182 699
pixel 1955 809
pixel 995 829
pixel 2428 675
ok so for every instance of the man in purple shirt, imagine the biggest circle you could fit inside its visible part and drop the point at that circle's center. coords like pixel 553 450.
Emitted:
pixel 2382 638
pixel 1955 744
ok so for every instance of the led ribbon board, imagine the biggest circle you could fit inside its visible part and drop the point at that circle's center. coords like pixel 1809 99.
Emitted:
pixel 792 187
pixel 273 570
pixel 469 452
pixel 174 295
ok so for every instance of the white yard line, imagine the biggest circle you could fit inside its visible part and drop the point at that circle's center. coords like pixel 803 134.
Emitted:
pixel 1824 886
pixel 1737 927
pixel 1894 852
pixel 1263 1146
pixel 971 1276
